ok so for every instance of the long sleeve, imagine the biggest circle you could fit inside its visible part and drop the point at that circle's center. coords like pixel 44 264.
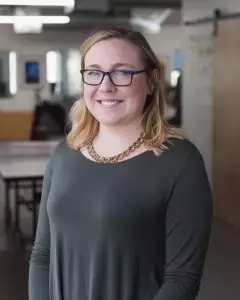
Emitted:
pixel 38 285
pixel 188 227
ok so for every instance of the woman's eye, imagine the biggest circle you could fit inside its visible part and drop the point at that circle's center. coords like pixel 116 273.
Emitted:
pixel 93 73
pixel 122 73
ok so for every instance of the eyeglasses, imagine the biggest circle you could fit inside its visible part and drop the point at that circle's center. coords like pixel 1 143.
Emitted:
pixel 117 77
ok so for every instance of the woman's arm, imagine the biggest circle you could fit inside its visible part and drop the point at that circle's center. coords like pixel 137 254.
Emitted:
pixel 38 285
pixel 188 226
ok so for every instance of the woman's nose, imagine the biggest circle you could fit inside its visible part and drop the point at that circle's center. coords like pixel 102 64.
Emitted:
pixel 107 85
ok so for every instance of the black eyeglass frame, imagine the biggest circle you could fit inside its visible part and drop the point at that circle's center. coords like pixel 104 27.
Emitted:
pixel 131 72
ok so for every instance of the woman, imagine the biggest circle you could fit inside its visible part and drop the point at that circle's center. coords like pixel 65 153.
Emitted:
pixel 126 205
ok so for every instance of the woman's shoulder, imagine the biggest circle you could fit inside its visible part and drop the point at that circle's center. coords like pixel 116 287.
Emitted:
pixel 60 146
pixel 182 150
pixel 60 150
pixel 181 155
pixel 181 145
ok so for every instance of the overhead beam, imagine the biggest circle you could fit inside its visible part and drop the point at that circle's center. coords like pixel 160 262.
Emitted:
pixel 93 5
pixel 147 3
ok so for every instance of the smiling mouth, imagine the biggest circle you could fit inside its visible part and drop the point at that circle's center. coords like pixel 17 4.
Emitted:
pixel 109 103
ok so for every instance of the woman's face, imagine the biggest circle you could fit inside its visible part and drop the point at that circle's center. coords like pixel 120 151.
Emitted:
pixel 115 105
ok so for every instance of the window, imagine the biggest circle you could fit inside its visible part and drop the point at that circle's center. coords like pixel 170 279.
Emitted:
pixel 12 73
pixel 53 66
pixel 174 77
pixel 73 72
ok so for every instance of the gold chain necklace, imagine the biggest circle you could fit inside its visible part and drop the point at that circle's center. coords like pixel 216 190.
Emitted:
pixel 118 157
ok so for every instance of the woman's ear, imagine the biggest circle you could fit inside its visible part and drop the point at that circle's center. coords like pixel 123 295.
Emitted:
pixel 150 91
pixel 150 84
pixel 153 77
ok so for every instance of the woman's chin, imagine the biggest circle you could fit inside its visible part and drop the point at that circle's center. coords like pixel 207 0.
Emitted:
pixel 117 120
pixel 110 122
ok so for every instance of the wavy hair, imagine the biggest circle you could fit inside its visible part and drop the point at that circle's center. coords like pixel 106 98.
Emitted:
pixel 84 127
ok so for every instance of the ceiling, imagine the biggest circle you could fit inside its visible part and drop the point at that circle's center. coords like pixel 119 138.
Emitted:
pixel 89 14
pixel 95 13
pixel 142 3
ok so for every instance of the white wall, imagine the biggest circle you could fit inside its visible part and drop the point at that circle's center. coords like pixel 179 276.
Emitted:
pixel 165 42
pixel 36 45
pixel 197 96
pixel 193 9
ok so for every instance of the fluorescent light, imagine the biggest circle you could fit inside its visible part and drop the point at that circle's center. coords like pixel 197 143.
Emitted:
pixel 21 27
pixel 148 26
pixel 53 66
pixel 13 73
pixel 161 18
pixel 73 74
pixel 174 77
pixel 154 28
pixel 34 19
pixel 38 2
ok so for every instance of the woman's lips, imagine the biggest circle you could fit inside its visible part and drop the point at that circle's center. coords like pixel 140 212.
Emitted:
pixel 109 103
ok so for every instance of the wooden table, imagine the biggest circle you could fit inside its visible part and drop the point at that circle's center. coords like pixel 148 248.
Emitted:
pixel 22 166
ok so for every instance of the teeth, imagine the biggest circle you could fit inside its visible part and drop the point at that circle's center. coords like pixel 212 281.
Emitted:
pixel 109 102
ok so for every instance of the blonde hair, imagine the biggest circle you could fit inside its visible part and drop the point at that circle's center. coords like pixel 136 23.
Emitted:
pixel 84 127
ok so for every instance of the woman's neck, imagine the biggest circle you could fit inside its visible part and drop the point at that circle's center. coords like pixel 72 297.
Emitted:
pixel 113 140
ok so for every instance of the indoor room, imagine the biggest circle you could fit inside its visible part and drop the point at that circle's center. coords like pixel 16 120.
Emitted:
pixel 43 74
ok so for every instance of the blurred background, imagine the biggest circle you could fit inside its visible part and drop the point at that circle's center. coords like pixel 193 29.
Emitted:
pixel 198 45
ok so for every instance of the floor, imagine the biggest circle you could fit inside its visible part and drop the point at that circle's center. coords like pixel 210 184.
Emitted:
pixel 221 280
pixel 13 268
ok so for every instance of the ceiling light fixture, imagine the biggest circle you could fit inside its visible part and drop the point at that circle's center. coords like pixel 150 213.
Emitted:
pixel 38 2
pixel 152 23
pixel 34 19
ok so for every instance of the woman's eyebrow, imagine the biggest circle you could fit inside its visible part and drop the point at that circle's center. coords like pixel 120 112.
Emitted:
pixel 116 65
pixel 93 66
pixel 123 65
